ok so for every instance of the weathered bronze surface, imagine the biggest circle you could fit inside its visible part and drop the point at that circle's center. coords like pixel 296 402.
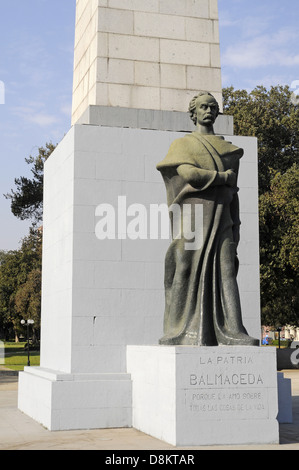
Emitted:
pixel 202 303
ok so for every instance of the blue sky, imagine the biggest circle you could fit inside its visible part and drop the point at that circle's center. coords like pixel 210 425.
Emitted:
pixel 259 46
pixel 259 42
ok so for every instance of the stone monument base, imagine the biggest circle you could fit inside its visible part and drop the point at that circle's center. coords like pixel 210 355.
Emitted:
pixel 63 402
pixel 193 396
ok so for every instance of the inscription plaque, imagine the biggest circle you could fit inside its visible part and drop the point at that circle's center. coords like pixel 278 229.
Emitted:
pixel 225 387
pixel 189 395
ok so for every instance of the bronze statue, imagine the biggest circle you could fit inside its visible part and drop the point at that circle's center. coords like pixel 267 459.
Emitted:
pixel 202 303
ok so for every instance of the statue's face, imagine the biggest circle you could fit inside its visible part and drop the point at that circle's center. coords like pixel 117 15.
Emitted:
pixel 206 109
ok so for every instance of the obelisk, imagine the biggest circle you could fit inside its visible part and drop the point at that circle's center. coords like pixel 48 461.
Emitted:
pixel 137 65
pixel 145 54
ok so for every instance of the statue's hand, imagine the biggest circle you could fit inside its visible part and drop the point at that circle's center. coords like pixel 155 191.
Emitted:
pixel 231 178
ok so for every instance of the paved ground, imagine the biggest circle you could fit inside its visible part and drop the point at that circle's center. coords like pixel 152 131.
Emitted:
pixel 19 432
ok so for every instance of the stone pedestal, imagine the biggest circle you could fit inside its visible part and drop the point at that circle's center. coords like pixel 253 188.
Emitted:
pixel 190 396
pixel 285 415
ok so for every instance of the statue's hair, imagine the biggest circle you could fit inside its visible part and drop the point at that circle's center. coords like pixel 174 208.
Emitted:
pixel 192 105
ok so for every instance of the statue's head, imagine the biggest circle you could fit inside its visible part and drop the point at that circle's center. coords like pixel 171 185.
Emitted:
pixel 204 109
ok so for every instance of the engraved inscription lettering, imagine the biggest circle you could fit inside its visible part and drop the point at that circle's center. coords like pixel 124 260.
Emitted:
pixel 226 402
pixel 226 360
pixel 223 379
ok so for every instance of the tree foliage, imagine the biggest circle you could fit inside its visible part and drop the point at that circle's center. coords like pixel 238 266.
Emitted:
pixel 274 120
pixel 270 116
pixel 279 230
pixel 20 283
pixel 20 270
pixel 27 198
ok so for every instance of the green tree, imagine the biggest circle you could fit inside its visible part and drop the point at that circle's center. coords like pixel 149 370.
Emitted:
pixel 279 229
pixel 20 283
pixel 2 256
pixel 271 116
pixel 28 299
pixel 9 274
pixel 27 198
pixel 20 270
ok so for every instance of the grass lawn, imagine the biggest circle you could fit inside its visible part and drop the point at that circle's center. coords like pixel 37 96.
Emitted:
pixel 16 356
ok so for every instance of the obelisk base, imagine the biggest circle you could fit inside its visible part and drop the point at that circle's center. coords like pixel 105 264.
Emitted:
pixel 63 402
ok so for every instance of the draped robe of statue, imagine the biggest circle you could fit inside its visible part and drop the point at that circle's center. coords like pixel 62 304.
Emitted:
pixel 202 303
